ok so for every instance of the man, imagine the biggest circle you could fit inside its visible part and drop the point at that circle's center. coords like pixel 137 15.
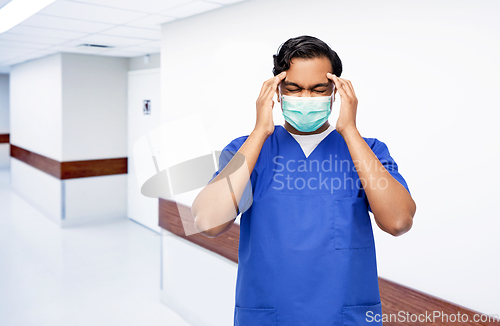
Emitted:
pixel 306 251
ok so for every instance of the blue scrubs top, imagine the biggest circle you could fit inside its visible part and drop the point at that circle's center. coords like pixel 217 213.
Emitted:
pixel 306 249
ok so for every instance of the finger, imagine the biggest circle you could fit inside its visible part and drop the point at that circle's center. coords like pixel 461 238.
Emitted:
pixel 281 77
pixel 341 90
pixel 330 76
pixel 265 85
pixel 345 86
pixel 350 86
pixel 269 93
pixel 336 81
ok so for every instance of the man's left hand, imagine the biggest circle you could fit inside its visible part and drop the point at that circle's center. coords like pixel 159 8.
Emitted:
pixel 348 105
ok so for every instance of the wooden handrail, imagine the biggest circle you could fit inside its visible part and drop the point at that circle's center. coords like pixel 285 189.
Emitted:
pixel 395 297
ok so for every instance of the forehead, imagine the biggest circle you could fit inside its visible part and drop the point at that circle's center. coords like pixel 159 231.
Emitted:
pixel 308 72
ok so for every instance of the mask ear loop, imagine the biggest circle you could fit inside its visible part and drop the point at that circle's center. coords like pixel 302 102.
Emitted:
pixel 279 96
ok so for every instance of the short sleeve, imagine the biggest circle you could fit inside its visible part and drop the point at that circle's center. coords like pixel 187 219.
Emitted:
pixel 225 157
pixel 381 150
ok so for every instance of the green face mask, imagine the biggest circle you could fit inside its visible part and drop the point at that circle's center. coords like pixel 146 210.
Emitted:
pixel 306 113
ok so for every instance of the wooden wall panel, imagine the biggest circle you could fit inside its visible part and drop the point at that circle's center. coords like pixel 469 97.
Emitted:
pixel 4 138
pixel 395 297
pixel 40 162
pixel 225 244
pixel 70 169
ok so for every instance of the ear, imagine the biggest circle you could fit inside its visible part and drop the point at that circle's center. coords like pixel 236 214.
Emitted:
pixel 278 93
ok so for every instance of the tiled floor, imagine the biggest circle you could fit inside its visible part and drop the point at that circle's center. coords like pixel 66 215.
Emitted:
pixel 107 274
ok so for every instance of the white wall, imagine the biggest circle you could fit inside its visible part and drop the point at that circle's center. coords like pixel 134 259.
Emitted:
pixel 4 104
pixel 198 284
pixel 4 120
pixel 71 107
pixel 143 84
pixel 95 107
pixel 39 189
pixel 138 63
pixel 36 106
pixel 425 74
pixel 4 156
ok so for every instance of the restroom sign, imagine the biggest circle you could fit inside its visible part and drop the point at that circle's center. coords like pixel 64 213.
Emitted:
pixel 146 107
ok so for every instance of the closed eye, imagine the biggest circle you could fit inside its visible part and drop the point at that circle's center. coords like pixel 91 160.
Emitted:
pixel 315 90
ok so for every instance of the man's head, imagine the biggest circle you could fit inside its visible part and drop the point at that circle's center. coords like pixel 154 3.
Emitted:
pixel 306 59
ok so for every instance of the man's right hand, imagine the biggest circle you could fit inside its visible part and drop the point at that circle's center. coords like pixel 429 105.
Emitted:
pixel 265 104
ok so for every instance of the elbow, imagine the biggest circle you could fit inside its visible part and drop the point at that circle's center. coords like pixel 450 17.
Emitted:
pixel 201 226
pixel 198 221
pixel 404 223
pixel 402 226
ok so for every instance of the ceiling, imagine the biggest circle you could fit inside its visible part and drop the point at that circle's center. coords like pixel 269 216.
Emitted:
pixel 130 27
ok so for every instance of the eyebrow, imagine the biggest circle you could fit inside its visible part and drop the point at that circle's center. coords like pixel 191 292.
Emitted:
pixel 287 83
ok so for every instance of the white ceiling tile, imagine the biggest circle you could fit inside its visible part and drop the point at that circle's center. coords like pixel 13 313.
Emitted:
pixel 30 38
pixel 120 53
pixel 226 2
pixel 15 60
pixel 83 49
pixel 156 44
pixel 105 40
pixel 38 54
pixel 3 3
pixel 191 8
pixel 24 59
pixel 148 6
pixel 76 49
pixel 47 32
pixel 66 24
pixel 15 44
pixel 10 62
pixel 11 56
pixel 141 49
pixel 127 31
pixel 7 51
pixel 151 21
pixel 84 11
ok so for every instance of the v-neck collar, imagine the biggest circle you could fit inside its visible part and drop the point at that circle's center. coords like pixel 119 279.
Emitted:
pixel 283 130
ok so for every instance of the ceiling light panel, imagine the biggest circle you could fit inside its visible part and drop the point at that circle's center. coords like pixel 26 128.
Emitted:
pixel 84 11
pixel 147 6
pixel 17 11
pixel 66 24
pixel 191 8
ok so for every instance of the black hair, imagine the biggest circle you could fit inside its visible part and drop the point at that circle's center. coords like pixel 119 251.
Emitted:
pixel 305 47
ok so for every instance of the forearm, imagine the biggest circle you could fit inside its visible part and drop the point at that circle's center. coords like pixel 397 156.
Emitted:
pixel 391 204
pixel 214 208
